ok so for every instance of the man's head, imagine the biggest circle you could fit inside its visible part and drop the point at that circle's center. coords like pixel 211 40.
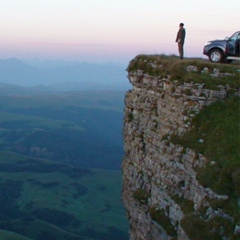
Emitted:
pixel 181 25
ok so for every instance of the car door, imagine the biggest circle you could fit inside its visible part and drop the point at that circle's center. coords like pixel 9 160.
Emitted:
pixel 232 47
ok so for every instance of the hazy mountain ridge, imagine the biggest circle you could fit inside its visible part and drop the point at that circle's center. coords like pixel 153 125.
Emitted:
pixel 78 76
pixel 8 90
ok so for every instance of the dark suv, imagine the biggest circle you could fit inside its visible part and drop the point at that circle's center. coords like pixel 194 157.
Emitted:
pixel 223 50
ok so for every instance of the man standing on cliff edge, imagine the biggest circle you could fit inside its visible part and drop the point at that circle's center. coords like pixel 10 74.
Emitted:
pixel 180 39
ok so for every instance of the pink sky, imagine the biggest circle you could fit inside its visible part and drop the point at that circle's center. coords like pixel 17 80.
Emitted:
pixel 111 30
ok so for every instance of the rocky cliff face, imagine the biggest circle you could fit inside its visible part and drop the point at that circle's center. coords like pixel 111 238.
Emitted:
pixel 159 177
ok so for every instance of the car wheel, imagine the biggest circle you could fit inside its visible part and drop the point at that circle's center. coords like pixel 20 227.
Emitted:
pixel 216 56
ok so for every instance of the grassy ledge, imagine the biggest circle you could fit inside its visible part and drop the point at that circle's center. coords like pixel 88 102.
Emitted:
pixel 194 70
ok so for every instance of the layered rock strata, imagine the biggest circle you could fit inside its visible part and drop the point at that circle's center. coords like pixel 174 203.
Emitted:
pixel 157 174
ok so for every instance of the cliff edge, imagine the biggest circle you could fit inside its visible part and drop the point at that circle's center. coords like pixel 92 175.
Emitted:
pixel 179 181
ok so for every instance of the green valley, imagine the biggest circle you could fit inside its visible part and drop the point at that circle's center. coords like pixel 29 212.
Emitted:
pixel 81 128
pixel 60 158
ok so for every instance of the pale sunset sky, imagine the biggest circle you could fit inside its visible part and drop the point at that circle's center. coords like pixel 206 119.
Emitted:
pixel 111 30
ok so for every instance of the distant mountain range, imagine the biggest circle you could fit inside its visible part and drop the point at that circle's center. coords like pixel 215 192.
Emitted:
pixel 63 76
